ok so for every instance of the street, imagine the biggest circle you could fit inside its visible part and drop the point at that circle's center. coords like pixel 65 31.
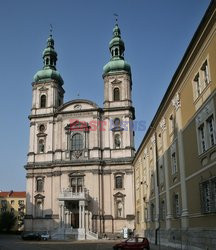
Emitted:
pixel 14 242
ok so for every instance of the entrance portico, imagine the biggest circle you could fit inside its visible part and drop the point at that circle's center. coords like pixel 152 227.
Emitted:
pixel 72 211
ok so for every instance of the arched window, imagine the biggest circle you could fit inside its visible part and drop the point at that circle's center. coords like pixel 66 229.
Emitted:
pixel 77 142
pixel 47 61
pixel 40 184
pixel 41 146
pixel 43 101
pixel 116 52
pixel 119 181
pixel 116 94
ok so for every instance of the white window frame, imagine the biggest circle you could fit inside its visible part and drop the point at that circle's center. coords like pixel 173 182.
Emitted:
pixel 176 205
pixel 211 131
pixel 206 75
pixel 202 138
pixel 208 196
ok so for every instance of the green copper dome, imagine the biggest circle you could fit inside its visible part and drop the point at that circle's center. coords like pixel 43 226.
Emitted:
pixel 117 48
pixel 116 65
pixel 49 71
pixel 48 74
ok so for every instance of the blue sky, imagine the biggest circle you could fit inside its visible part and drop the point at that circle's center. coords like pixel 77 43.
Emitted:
pixel 156 34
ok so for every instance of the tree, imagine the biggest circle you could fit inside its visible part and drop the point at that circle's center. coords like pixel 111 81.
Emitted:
pixel 7 221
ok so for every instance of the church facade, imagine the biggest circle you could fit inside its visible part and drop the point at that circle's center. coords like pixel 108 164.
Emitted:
pixel 79 167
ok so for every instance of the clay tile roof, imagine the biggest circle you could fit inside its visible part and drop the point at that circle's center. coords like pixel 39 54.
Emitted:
pixel 12 194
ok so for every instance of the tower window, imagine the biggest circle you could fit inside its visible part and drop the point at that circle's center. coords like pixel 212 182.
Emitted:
pixel 40 184
pixel 117 141
pixel 41 146
pixel 43 101
pixel 47 61
pixel 116 94
pixel 42 128
pixel 116 52
pixel 77 142
pixel 119 181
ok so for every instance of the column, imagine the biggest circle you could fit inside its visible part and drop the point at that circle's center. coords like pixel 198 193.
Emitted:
pixel 184 216
pixel 80 210
pixel 153 140
pixel 83 216
pixel 166 175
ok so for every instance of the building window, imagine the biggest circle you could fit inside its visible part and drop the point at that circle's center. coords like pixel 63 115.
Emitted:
pixel 77 142
pixel 117 140
pixel 211 131
pixel 12 202
pixel 174 163
pixel 41 146
pixel 43 101
pixel 152 212
pixel 12 210
pixel 205 70
pixel 202 138
pixel 152 184
pixel 208 195
pixel 42 128
pixel 118 181
pixel 77 184
pixel 4 203
pixel 197 85
pixel 116 94
pixel 146 214
pixel 138 217
pixel 161 174
pixel 176 206
pixel 21 202
pixel 162 210
pixel 171 124
pixel 40 184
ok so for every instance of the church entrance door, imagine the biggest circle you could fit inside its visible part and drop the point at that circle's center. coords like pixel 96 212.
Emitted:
pixel 75 220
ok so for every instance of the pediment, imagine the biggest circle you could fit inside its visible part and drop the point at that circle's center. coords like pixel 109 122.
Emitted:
pixel 78 105
pixel 77 126
pixel 39 196
pixel 119 194
pixel 43 88
pixel 116 81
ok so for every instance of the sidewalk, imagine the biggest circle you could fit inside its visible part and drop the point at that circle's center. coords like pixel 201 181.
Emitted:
pixel 156 247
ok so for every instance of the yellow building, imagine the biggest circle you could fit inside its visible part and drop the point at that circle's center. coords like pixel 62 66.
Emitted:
pixel 14 202
pixel 175 165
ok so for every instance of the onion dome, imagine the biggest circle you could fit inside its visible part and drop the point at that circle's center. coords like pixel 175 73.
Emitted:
pixel 49 71
pixel 117 48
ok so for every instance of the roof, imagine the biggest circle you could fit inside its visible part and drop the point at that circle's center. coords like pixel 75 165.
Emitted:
pixel 12 194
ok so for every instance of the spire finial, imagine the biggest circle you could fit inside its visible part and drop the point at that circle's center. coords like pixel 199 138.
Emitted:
pixel 116 18
pixel 51 29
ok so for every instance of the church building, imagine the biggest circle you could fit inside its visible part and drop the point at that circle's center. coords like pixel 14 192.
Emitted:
pixel 79 169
